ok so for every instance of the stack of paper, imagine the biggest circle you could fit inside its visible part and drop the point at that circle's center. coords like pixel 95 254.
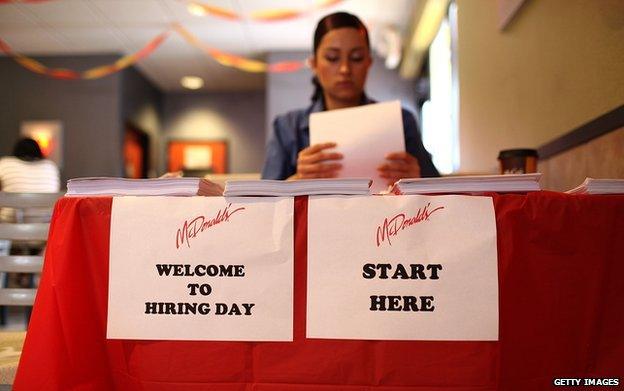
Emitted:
pixel 364 135
pixel 599 186
pixel 143 187
pixel 349 186
pixel 469 184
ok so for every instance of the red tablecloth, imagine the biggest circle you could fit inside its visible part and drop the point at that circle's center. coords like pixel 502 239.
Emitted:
pixel 561 273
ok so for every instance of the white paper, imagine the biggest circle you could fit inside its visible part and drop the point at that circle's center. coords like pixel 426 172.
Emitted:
pixel 456 232
pixel 364 135
pixel 253 236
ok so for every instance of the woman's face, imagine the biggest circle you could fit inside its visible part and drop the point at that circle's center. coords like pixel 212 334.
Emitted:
pixel 341 64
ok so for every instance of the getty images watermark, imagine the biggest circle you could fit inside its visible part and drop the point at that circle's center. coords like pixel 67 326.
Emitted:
pixel 582 382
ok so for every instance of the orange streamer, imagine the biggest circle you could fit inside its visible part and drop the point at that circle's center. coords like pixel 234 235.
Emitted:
pixel 238 62
pixel 223 58
pixel 269 15
pixel 93 73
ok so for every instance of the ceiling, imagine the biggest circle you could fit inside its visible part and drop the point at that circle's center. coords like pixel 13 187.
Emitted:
pixel 68 27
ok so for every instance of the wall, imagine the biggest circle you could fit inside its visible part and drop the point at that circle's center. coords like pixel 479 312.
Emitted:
pixel 601 157
pixel 290 91
pixel 142 106
pixel 238 117
pixel 89 111
pixel 559 65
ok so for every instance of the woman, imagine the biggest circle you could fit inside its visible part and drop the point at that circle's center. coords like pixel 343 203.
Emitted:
pixel 340 63
pixel 28 172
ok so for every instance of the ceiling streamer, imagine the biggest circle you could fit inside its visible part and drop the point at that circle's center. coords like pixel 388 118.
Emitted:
pixel 227 59
pixel 93 73
pixel 267 15
pixel 196 7
pixel 23 1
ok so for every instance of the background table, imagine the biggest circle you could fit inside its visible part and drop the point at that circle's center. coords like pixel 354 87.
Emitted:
pixel 561 271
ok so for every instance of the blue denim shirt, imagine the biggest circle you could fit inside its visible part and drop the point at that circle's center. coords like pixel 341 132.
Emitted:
pixel 291 134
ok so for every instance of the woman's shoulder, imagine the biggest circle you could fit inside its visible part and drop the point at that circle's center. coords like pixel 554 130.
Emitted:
pixel 14 162
pixel 8 161
pixel 292 120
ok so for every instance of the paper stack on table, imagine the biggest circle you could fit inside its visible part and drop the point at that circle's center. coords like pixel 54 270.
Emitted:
pixel 599 186
pixel 364 135
pixel 179 186
pixel 266 187
pixel 469 184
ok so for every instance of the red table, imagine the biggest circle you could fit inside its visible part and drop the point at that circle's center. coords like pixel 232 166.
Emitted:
pixel 561 272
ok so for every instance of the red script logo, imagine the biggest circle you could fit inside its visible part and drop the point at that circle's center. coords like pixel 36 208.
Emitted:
pixel 392 227
pixel 192 227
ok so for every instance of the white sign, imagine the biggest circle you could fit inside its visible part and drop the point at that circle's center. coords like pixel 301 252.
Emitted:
pixel 402 268
pixel 364 135
pixel 201 268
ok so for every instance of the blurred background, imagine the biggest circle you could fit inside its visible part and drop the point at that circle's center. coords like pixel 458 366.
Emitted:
pixel 137 88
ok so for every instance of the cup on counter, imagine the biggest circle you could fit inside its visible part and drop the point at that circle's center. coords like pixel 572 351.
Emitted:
pixel 518 161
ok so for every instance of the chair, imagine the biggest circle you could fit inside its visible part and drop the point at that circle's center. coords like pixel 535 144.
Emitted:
pixel 20 238
pixel 23 237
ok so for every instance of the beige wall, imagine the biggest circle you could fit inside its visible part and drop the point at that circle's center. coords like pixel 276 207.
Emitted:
pixel 602 157
pixel 558 65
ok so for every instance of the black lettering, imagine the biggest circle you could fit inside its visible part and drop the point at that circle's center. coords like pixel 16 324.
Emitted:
pixel 400 272
pixel 234 310
pixel 378 303
pixel 418 271
pixel 410 303
pixel 187 270
pixel 394 303
pixel 248 308
pixel 368 271
pixel 434 270
pixel 178 270
pixel 225 271
pixel 163 269
pixel 384 267
pixel 193 288
pixel 221 309
pixel 200 270
pixel 212 270
pixel 239 270
pixel 205 289
pixel 426 303
pixel 169 308
pixel 150 307
pixel 186 308
pixel 203 308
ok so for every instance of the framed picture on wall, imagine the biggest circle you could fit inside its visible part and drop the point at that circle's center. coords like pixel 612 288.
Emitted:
pixel 49 136
pixel 198 157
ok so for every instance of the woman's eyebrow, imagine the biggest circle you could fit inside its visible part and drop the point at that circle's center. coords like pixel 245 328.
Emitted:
pixel 337 49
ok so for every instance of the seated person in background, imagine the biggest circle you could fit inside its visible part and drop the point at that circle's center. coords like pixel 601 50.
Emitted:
pixel 340 63
pixel 27 172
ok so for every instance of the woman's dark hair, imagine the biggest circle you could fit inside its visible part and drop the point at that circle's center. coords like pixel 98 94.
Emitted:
pixel 331 22
pixel 27 149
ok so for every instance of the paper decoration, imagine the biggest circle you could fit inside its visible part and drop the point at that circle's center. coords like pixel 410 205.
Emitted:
pixel 201 268
pixel 402 268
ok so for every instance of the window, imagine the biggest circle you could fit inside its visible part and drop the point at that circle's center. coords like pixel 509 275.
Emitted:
pixel 440 112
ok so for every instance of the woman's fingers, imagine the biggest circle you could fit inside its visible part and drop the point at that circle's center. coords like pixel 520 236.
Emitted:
pixel 399 165
pixel 319 157
pixel 318 168
pixel 312 149
pixel 405 156
pixel 315 162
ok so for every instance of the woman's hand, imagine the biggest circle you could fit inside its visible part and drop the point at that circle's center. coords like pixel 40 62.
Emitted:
pixel 399 165
pixel 315 162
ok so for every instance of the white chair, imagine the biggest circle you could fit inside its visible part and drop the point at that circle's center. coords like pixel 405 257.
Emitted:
pixel 20 236
pixel 23 236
